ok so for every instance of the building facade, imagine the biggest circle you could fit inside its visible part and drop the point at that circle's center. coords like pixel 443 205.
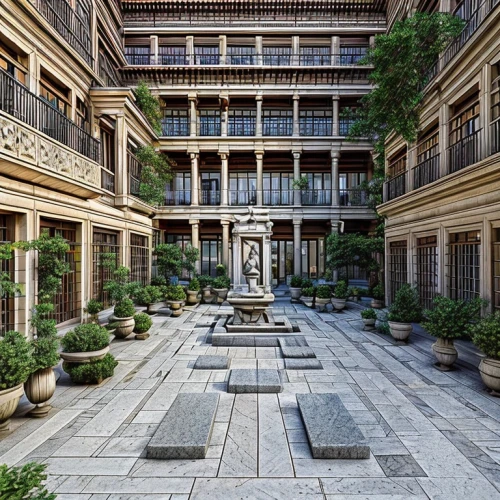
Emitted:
pixel 442 196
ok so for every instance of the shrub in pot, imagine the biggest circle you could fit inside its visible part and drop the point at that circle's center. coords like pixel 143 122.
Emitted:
pixel 93 308
pixel 175 298
pixel 307 295
pixel 206 282
pixel 123 317
pixel 486 336
pixel 142 325
pixel 295 287
pixel 378 294
pixel 192 291
pixel 340 295
pixel 323 296
pixel 447 320
pixel 221 286
pixel 16 364
pixel 369 317
pixel 24 482
pixel 404 311
pixel 91 373
pixel 220 270
pixel 149 296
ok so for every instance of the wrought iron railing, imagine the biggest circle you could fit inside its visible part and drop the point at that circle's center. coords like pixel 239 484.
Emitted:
pixel 354 197
pixel 276 197
pixel 18 101
pixel 316 197
pixel 465 152
pixel 178 197
pixel 243 197
pixel 495 137
pixel 426 172
pixel 108 180
pixel 315 126
pixel 209 197
pixel 395 187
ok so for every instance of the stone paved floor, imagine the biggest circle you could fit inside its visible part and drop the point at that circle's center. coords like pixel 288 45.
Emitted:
pixel 432 434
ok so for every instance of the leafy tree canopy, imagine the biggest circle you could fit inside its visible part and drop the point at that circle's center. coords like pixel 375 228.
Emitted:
pixel 149 105
pixel 155 174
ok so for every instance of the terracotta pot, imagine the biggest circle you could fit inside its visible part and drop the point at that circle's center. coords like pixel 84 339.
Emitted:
pixel 400 331
pixel 489 369
pixel 321 303
pixel 338 304
pixel 369 322
pixel 39 388
pixel 9 399
pixel 445 352
pixel 295 293
pixel 84 357
pixel 192 297
pixel 124 327
pixel 377 304
pixel 221 294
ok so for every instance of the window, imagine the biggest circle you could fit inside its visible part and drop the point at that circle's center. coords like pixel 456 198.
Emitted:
pixel 241 122
pixel 426 269
pixel 277 122
pixel 179 191
pixel 210 255
pixel 242 188
pixel 496 269
pixel 315 122
pixel 278 189
pixel 319 191
pixel 138 55
pixel 464 251
pixel 139 258
pixel 350 192
pixel 172 55
pixel 206 54
pixel 398 266
pixel 352 54
pixel 82 115
pixel 276 56
pixel 108 158
pixel 7 304
pixel 175 122
pixel 13 64
pixel 346 119
pixel 315 56
pixel 427 168
pixel 495 109
pixel 210 188
pixel 210 122
pixel 56 95
pixel 106 252
pixel 240 54
pixel 396 170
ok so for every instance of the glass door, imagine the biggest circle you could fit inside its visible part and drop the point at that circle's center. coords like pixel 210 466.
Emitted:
pixel 281 261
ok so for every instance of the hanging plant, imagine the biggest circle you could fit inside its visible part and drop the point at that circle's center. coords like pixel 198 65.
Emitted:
pixel 149 105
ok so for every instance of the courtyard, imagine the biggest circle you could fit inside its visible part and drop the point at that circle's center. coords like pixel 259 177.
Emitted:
pixel 431 434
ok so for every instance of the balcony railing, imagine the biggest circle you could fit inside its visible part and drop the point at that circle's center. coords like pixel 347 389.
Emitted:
pixel 175 126
pixel 426 172
pixel 317 197
pixel 396 186
pixel 178 197
pixel 277 197
pixel 495 137
pixel 237 197
pixel 209 197
pixel 353 197
pixel 310 126
pixel 64 19
pixel 18 101
pixel 108 180
pixel 134 174
pixel 465 152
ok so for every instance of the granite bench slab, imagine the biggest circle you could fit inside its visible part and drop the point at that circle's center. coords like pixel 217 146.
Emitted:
pixel 303 364
pixel 295 347
pixel 186 429
pixel 206 362
pixel 331 431
pixel 254 381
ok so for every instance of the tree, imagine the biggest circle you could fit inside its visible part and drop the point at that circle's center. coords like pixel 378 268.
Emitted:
pixel 149 105
pixel 169 259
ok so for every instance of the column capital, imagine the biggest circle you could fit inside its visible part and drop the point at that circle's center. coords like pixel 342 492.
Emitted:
pixel 224 155
pixel 297 222
pixel 296 96
pixel 335 97
pixel 194 156
pixel 225 222
pixel 193 96
pixel 259 154
pixel 335 154
pixel 259 97
pixel 194 221
pixel 296 154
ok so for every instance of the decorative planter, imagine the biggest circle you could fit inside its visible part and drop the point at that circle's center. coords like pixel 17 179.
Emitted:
pixel 489 369
pixel 221 294
pixel 39 388
pixel 445 352
pixel 124 326
pixel 84 357
pixel 207 295
pixel 176 306
pixel 338 304
pixel 321 303
pixel 154 307
pixel 307 301
pixel 400 331
pixel 369 323
pixel 377 304
pixel 295 293
pixel 142 335
pixel 192 297
pixel 9 399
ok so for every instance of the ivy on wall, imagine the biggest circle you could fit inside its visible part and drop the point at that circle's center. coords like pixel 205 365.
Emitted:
pixel 149 105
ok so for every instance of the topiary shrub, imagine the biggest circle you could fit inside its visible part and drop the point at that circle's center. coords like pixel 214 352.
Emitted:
pixel 205 280
pixel 142 323
pixel 221 282
pixel 296 281
pixel 341 290
pixel 24 483
pixel 406 307
pixel 124 309
pixel 16 360
pixel 194 285
pixel 368 314
pixel 308 291
pixel 378 292
pixel 85 338
pixel 307 283
pixel 149 295
pixel 220 270
pixel 91 373
pixel 175 292
pixel 323 292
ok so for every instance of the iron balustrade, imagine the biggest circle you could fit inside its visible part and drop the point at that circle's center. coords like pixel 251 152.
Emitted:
pixel 243 197
pixel 175 126
pixel 426 172
pixel 178 197
pixel 134 174
pixel 241 125
pixel 316 197
pixel 140 59
pixel 107 180
pixel 18 101
pixel 64 19
pixel 209 197
pixel 465 152
pixel 107 72
pixel 277 197
pixel 315 126
pixel 396 186
pixel 277 125
pixel 354 197
pixel 345 126
pixel 495 137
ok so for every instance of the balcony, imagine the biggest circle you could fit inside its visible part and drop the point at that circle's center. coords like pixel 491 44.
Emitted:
pixel 426 171
pixel 242 197
pixel 354 197
pixel 310 126
pixel 175 126
pixel 395 187
pixel 465 152
pixel 209 197
pixel 178 197
pixel 495 137
pixel 278 197
pixel 314 197
pixel 134 174
pixel 70 25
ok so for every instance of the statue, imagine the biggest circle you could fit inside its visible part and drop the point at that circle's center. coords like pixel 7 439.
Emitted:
pixel 251 269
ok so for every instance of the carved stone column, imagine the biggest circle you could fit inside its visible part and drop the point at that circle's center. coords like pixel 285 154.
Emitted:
pixel 195 175
pixel 225 243
pixel 258 118
pixel 296 120
pixel 335 116
pixel 297 247
pixel 259 159
pixel 335 179
pixel 224 174
pixel 193 114
pixel 297 194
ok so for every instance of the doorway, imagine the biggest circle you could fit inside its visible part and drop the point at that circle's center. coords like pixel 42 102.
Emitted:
pixel 281 261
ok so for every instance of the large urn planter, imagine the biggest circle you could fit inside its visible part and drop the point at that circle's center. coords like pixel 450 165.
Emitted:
pixel 123 326
pixel 39 388
pixel 221 294
pixel 192 297
pixel 445 352
pixel 322 303
pixel 176 307
pixel 207 295
pixel 154 307
pixel 84 357
pixel 295 293
pixel 369 323
pixel 489 369
pixel 377 304
pixel 9 399
pixel 400 331
pixel 338 304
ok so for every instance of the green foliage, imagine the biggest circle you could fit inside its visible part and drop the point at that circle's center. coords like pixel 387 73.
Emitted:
pixel 158 281
pixel 406 306
pixel 302 183
pixel 24 483
pixel 120 287
pixel 191 255
pixel 108 260
pixel 220 270
pixel 7 287
pixel 323 292
pixel 175 292
pixel 91 373
pixel 155 174
pixel 194 285
pixel 307 283
pixel 149 294
pixel 222 282
pixel 308 291
pixel 15 359
pixel 341 290
pixel 353 291
pixel 451 319
pixel 378 292
pixel 205 280
pixel 94 307
pixel 85 338
pixel 143 322
pixel 169 260
pixel 368 314
pixel 384 328
pixel 296 281
pixel 149 105
pixel 348 249
pixel 124 309
pixel 486 335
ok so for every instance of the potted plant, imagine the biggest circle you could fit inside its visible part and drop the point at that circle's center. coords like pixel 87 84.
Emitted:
pixel 175 299
pixel 123 318
pixel 193 291
pixel 206 287
pixel 16 364
pixel 221 286
pixel 94 307
pixel 369 317
pixel 150 296
pixel 340 295
pixel 404 311
pixel 354 293
pixel 323 297
pixel 447 320
pixel 307 295
pixel 143 323
pixel 85 344
pixel 378 294
pixel 486 336
pixel 169 258
pixel 295 287
pixel 91 373
pixel 24 482
pixel 302 183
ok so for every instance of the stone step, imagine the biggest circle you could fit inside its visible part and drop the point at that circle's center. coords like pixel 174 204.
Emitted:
pixel 205 362
pixel 295 347
pixel 331 430
pixel 236 339
pixel 303 364
pixel 254 381
pixel 186 429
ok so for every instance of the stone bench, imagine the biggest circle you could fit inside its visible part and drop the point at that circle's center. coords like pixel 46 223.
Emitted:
pixel 254 381
pixel 295 347
pixel 331 431
pixel 186 429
